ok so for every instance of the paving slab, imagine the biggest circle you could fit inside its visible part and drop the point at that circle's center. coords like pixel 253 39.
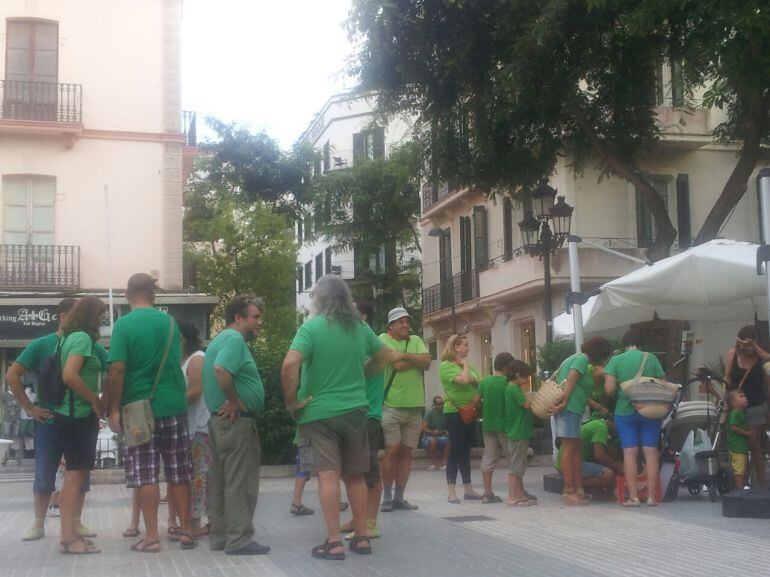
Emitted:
pixel 685 538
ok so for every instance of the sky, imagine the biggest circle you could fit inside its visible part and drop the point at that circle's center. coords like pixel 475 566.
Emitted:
pixel 267 64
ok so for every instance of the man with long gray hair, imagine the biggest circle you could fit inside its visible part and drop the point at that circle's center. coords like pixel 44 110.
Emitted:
pixel 331 404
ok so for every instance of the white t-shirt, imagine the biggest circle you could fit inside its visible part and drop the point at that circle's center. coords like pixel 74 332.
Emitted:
pixel 197 413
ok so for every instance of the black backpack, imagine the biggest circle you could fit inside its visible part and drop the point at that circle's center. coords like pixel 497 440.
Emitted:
pixel 50 386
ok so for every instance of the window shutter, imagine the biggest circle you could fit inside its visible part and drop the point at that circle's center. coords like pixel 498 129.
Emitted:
pixel 507 229
pixel 677 85
pixel 379 143
pixel 299 278
pixel 480 236
pixel 319 266
pixel 683 210
pixel 328 259
pixel 466 252
pixel 358 146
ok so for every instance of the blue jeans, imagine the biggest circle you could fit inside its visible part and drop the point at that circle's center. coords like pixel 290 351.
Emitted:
pixel 48 453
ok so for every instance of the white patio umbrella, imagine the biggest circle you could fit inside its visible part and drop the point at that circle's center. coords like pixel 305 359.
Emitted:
pixel 715 281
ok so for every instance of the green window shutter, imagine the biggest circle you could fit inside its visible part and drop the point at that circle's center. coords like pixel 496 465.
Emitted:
pixel 507 229
pixel 480 237
pixel 379 143
pixel 358 146
pixel 684 225
pixel 677 85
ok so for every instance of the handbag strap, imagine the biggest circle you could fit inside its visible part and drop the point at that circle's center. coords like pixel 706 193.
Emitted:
pixel 641 367
pixel 165 355
pixel 393 375
pixel 746 374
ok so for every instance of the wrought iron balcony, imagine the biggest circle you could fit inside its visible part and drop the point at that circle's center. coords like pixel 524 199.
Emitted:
pixel 432 193
pixel 461 288
pixel 42 101
pixel 34 266
pixel 190 127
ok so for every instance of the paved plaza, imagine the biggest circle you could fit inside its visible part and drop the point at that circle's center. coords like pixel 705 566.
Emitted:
pixel 686 538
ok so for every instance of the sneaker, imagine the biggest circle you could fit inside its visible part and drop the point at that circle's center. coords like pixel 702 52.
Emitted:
pixel 53 511
pixel 86 532
pixel 252 548
pixel 404 506
pixel 432 468
pixel 386 507
pixel 34 534
pixel 373 533
pixel 442 467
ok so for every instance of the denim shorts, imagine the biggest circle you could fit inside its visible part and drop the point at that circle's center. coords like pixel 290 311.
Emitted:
pixel 567 425
pixel 48 453
pixel 589 469
pixel 637 431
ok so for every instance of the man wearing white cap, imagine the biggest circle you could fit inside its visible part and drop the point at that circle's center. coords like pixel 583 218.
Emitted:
pixel 403 406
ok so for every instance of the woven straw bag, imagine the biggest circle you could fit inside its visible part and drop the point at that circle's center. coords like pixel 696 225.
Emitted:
pixel 652 398
pixel 549 393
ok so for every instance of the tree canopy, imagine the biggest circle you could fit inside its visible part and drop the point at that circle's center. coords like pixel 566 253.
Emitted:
pixel 501 88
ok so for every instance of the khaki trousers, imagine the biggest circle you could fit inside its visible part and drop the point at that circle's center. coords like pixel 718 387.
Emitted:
pixel 233 482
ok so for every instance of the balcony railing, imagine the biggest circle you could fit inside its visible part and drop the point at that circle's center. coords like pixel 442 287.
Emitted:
pixel 462 287
pixel 39 266
pixel 43 101
pixel 190 128
pixel 432 193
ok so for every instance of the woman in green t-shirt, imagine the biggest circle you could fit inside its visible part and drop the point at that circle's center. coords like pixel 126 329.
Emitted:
pixel 578 372
pixel 76 420
pixel 459 380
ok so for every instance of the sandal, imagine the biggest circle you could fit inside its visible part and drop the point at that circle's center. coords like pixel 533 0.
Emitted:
pixel 574 500
pixel 144 547
pixel 355 545
pixel 202 531
pixel 88 548
pixel 172 531
pixel 300 510
pixel 131 533
pixel 186 540
pixel 324 551
pixel 521 503
pixel 631 502
pixel 453 501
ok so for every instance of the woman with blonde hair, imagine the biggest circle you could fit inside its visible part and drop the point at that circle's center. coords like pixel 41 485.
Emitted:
pixel 76 419
pixel 459 380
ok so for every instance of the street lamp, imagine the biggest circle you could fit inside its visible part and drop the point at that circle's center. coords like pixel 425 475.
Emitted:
pixel 539 239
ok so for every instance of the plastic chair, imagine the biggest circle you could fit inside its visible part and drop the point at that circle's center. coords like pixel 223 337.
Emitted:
pixel 641 483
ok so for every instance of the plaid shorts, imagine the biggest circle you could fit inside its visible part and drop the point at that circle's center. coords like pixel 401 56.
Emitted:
pixel 170 441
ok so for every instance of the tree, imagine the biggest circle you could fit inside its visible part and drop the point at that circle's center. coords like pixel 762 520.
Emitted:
pixel 502 88
pixel 239 241
pixel 370 208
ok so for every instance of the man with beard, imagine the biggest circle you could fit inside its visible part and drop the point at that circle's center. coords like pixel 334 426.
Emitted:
pixel 235 395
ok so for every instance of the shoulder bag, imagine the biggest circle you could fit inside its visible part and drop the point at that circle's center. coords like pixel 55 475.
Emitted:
pixel 137 418
pixel 651 397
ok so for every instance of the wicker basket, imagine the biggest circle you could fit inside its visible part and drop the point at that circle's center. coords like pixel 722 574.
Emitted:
pixel 653 410
pixel 549 393
pixel 652 398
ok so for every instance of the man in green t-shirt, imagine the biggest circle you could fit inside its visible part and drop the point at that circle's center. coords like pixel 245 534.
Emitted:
pixel 331 406
pixel 404 404
pixel 144 364
pixel 436 435
pixel 598 466
pixel 491 393
pixel 48 449
pixel 235 395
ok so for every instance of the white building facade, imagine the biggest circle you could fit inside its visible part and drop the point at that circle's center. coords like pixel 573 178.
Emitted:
pixel 498 291
pixel 343 131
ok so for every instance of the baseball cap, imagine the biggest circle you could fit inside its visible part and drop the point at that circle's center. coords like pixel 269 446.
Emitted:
pixel 397 313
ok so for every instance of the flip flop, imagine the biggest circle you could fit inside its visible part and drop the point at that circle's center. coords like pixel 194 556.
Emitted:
pixel 521 503
pixel 453 501
pixel 131 533
pixel 144 546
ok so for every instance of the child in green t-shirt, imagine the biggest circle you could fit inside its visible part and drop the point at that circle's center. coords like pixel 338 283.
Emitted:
pixel 518 427
pixel 738 436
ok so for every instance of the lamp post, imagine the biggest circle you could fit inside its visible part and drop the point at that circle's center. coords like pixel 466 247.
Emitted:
pixel 542 240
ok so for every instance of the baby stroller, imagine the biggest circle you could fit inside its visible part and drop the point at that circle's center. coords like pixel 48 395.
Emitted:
pixel 709 471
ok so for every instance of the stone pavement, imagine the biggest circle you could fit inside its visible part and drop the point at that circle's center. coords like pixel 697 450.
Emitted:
pixel 686 538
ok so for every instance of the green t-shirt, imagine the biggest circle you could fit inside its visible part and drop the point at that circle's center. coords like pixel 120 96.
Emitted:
pixel 455 395
pixel 375 388
pixel 624 367
pixel 407 391
pixel 80 344
pixel 333 367
pixel 737 443
pixel 229 351
pixel 518 420
pixel 592 432
pixel 434 420
pixel 578 399
pixel 139 340
pixel 492 393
